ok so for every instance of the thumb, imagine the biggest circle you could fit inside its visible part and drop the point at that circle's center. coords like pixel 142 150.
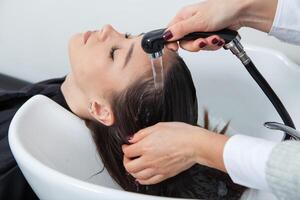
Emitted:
pixel 181 28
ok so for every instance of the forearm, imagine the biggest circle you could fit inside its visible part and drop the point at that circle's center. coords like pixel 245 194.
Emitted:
pixel 257 14
pixel 240 156
pixel 209 148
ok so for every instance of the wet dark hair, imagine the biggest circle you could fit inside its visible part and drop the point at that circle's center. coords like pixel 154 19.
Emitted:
pixel 142 105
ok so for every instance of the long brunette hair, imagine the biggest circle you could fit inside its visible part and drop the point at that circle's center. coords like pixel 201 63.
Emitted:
pixel 142 105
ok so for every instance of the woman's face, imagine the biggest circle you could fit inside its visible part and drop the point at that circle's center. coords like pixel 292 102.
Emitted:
pixel 106 60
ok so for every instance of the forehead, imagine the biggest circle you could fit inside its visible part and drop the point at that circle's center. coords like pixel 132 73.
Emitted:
pixel 141 58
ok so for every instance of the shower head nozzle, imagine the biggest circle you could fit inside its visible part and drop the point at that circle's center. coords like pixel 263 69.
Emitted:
pixel 153 42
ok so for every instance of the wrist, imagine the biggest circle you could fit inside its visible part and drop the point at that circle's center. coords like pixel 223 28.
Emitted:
pixel 257 14
pixel 209 148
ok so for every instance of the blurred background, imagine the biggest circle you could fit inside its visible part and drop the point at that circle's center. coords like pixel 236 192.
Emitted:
pixel 34 34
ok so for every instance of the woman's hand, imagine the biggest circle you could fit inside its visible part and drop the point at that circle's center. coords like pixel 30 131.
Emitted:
pixel 166 149
pixel 213 15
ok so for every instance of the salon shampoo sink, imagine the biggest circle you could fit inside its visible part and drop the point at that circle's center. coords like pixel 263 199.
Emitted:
pixel 55 151
pixel 57 155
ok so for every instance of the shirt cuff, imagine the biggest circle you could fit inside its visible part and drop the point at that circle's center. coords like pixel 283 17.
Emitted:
pixel 286 24
pixel 245 160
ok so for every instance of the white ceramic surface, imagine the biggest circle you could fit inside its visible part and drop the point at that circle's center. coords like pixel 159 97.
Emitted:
pixel 56 153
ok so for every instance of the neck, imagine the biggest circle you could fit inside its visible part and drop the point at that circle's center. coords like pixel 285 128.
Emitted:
pixel 76 100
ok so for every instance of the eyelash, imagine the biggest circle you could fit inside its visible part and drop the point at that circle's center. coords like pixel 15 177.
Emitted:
pixel 127 35
pixel 112 52
pixel 114 48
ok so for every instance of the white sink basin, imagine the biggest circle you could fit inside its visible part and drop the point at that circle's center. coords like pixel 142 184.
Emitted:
pixel 57 155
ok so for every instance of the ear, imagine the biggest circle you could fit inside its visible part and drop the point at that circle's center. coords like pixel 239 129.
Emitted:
pixel 102 112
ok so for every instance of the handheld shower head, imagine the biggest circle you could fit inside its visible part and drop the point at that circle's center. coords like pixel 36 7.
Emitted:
pixel 153 41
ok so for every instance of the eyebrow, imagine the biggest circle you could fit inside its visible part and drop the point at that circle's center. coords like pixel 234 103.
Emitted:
pixel 129 55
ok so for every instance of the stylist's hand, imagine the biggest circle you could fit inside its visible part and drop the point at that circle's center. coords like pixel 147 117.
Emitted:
pixel 213 15
pixel 166 149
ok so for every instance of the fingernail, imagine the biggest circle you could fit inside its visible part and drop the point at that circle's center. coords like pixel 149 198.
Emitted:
pixel 220 43
pixel 215 41
pixel 167 35
pixel 202 44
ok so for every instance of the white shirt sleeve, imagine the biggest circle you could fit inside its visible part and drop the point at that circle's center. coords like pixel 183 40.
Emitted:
pixel 245 160
pixel 286 24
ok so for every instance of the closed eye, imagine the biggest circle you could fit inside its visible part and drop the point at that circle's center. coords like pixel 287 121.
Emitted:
pixel 112 52
pixel 127 35
pixel 113 49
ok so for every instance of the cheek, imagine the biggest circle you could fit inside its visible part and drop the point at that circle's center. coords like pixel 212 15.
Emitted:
pixel 94 76
pixel 92 68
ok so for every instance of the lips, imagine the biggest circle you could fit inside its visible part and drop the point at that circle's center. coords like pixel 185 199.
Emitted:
pixel 86 36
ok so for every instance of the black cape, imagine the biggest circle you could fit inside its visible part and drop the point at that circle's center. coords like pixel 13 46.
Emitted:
pixel 13 185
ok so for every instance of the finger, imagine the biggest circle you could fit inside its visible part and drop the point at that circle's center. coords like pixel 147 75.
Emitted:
pixel 181 29
pixel 125 151
pixel 153 180
pixel 133 150
pixel 184 13
pixel 144 174
pixel 142 134
pixel 193 46
pixel 126 160
pixel 172 46
pixel 135 165
pixel 214 43
pixel 175 20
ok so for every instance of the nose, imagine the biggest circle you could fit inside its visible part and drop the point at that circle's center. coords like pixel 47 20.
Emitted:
pixel 107 31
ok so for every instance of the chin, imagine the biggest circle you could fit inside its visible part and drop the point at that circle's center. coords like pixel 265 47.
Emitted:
pixel 76 40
